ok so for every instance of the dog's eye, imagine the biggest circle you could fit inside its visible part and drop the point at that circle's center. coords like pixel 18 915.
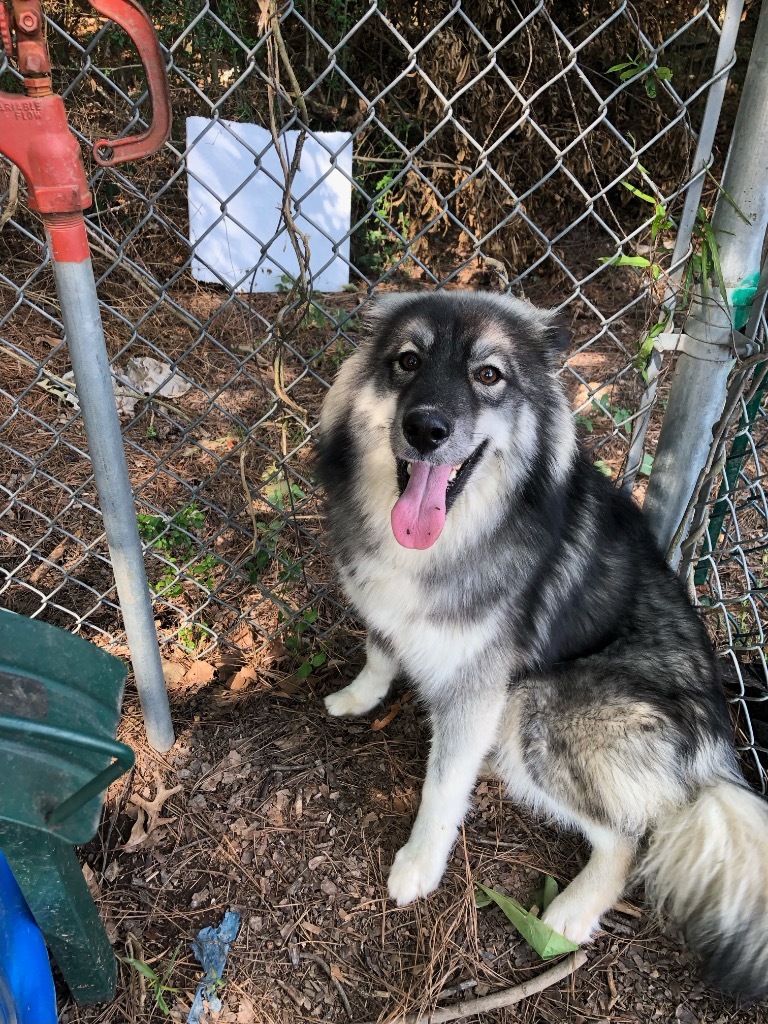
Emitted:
pixel 488 375
pixel 409 361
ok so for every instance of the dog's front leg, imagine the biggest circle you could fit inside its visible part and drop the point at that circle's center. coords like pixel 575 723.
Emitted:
pixel 464 728
pixel 369 687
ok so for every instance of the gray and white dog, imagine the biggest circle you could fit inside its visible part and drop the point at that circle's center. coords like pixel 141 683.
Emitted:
pixel 524 599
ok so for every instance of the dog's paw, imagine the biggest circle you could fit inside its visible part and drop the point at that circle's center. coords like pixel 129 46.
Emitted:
pixel 414 873
pixel 349 701
pixel 572 918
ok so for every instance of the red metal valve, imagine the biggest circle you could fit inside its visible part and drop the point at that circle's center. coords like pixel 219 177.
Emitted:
pixel 6 36
pixel 131 16
pixel 34 133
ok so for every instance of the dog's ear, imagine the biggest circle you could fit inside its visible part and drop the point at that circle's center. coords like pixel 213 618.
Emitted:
pixel 543 327
pixel 556 338
pixel 379 308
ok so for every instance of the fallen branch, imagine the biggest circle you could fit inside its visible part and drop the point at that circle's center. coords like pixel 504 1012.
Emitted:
pixel 394 711
pixel 335 981
pixel 148 814
pixel 510 996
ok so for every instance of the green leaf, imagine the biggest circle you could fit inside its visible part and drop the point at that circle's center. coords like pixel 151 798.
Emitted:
pixel 141 967
pixel 585 421
pixel 730 199
pixel 650 87
pixel 640 195
pixel 304 670
pixel 646 347
pixel 704 271
pixel 625 76
pixel 664 74
pixel 714 253
pixel 169 970
pixel 687 282
pixel 632 261
pixel 602 404
pixel 310 615
pixel 544 896
pixel 621 67
pixel 622 418
pixel 545 940
pixel 660 221
pixel 646 465
pixel 551 890
pixel 482 899
pixel 660 225
pixel 658 328
pixel 620 260
pixel 319 659
pixel 282 491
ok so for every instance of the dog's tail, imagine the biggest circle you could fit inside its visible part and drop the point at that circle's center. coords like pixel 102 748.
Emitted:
pixel 707 867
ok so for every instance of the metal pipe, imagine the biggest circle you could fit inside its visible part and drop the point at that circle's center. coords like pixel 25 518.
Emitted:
pixel 699 386
pixel 85 336
pixel 724 59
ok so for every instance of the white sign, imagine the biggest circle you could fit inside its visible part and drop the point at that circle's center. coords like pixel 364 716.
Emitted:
pixel 235 196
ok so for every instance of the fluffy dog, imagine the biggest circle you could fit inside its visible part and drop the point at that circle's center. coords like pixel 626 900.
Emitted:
pixel 525 600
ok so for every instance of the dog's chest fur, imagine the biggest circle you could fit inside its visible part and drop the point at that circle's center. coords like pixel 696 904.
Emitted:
pixel 396 603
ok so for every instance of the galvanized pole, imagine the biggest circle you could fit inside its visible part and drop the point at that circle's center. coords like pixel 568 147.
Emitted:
pixel 85 338
pixel 724 61
pixel 708 339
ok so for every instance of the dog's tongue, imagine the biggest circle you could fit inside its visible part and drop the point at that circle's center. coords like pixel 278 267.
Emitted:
pixel 418 517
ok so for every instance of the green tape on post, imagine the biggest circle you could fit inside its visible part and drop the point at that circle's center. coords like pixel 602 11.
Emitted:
pixel 741 297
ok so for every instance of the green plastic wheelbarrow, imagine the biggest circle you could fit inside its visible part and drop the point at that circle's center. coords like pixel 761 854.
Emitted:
pixel 60 700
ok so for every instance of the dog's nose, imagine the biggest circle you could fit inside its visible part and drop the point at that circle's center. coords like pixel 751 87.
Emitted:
pixel 425 429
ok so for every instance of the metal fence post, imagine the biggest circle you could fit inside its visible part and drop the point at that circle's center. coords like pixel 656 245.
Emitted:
pixel 85 338
pixel 707 342
pixel 726 57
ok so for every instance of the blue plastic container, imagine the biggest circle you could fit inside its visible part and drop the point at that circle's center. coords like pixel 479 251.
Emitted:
pixel 26 984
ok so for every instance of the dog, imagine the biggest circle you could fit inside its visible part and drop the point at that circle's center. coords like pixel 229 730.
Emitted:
pixel 523 597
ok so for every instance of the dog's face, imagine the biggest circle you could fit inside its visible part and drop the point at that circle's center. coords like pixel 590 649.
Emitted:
pixel 462 381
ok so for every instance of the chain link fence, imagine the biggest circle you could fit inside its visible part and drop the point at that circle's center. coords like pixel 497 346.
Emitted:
pixel 544 148
pixel 725 558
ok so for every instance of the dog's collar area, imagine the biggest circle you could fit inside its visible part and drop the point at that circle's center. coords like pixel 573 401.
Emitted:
pixel 456 481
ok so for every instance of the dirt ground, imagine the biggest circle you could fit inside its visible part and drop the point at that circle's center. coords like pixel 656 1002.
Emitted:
pixel 292 818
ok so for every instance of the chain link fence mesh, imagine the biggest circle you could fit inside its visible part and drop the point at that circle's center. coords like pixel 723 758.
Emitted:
pixel 494 145
pixel 725 558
